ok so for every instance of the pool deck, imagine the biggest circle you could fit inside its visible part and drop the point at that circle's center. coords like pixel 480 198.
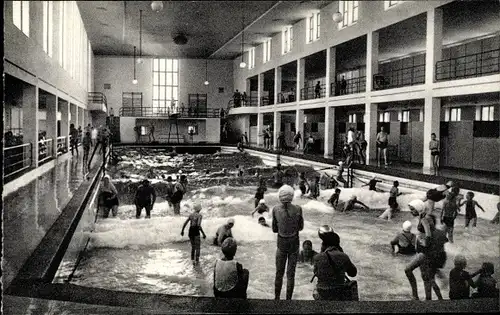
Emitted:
pixel 39 219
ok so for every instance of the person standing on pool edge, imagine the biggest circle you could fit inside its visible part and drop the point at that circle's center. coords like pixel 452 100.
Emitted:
pixel 287 222
pixel 194 233
pixel 179 191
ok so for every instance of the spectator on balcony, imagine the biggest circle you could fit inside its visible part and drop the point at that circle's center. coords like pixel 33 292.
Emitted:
pixel 434 148
pixel 343 86
pixel 245 137
pixel 237 99
pixel 152 133
pixel 317 90
pixel 42 146
pixel 10 140
pixel 267 138
pixel 297 139
pixel 244 98
pixel 222 113
pixel 309 144
pixel 382 143
pixel 291 96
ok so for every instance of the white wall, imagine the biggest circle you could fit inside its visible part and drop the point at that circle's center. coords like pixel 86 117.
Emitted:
pixel 127 133
pixel 119 72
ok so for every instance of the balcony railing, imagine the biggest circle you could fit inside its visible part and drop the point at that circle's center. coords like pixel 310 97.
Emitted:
pixel 62 145
pixel 351 86
pixel 17 158
pixel 265 101
pixel 286 97
pixel 250 101
pixel 45 150
pixel 309 93
pixel 97 97
pixel 469 66
pixel 397 78
pixel 180 112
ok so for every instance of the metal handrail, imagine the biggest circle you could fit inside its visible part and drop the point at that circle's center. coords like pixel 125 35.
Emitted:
pixel 62 145
pixel 473 65
pixel 309 92
pixel 249 102
pixel 289 98
pixel 97 97
pixel 180 112
pixel 265 101
pixel 354 85
pixel 45 150
pixel 17 158
pixel 401 77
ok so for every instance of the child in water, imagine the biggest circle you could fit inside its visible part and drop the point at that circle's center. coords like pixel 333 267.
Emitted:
pixel 352 204
pixel 470 209
pixel 262 221
pixel 404 242
pixel 261 207
pixel 303 184
pixel 486 284
pixel 194 233
pixel 307 253
pixel 230 279
pixel 334 199
pixel 450 212
pixel 461 280
pixel 314 189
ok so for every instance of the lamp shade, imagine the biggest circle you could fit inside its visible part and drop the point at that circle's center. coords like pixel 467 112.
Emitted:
pixel 337 17
pixel 243 64
pixel 206 82
pixel 134 81
pixel 157 6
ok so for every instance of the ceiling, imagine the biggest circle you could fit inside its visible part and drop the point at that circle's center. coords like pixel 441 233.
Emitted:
pixel 213 28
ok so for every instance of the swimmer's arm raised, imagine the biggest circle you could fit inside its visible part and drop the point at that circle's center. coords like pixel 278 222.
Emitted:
pixel 184 226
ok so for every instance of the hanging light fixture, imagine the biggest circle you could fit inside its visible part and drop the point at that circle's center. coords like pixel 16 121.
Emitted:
pixel 206 73
pixel 242 63
pixel 157 6
pixel 337 17
pixel 140 60
pixel 134 81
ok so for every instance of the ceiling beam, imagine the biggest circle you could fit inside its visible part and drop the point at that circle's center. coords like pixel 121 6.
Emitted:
pixel 246 28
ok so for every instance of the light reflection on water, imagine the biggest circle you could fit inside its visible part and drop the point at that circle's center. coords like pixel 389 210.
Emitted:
pixel 151 256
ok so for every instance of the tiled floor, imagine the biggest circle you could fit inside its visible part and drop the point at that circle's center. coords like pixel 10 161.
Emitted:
pixel 30 211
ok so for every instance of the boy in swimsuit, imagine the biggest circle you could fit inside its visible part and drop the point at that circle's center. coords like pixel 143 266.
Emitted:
pixel 382 142
pixel 261 207
pixel 434 148
pixel 194 233
pixel 334 199
pixel 470 209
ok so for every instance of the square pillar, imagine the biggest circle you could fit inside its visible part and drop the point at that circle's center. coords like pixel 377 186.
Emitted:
pixel 260 129
pixel 372 40
pixel 260 88
pixel 432 120
pixel 329 131
pixel 80 118
pixel 277 84
pixel 65 119
pixel 299 123
pixel 330 71
pixel 73 114
pixel 433 43
pixel 30 120
pixel 276 128
pixel 371 130
pixel 301 74
pixel 51 122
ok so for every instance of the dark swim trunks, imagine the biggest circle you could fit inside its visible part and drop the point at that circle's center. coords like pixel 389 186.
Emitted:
pixel 433 153
pixel 382 145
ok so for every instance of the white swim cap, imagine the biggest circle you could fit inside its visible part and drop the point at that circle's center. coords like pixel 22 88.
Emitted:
pixel 407 226
pixel 107 177
pixel 197 207
pixel 341 163
pixel 286 193
pixel 418 205
pixel 230 221
pixel 262 201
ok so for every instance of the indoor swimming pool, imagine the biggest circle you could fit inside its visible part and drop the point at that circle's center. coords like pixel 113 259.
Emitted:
pixel 140 255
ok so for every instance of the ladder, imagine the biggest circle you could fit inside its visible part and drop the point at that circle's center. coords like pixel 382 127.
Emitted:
pixel 173 118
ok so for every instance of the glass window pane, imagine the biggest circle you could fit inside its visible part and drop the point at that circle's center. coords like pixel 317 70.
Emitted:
pixel 156 78
pixel 491 113
pixel 16 13
pixel 169 78
pixel 169 64
pixel 169 93
pixel 162 64
pixel 155 93
pixel 162 78
pixel 26 17
pixel 155 65
pixel 176 65
pixel 162 92
pixel 485 112
pixel 175 79
pixel 174 93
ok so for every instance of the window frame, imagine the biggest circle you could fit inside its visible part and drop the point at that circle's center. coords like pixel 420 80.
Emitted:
pixel 266 49
pixel 48 12
pixel 389 4
pixel 21 16
pixel 384 117
pixel 350 13
pixel 287 39
pixel 352 118
pixel 455 114
pixel 162 71
pixel 490 113
pixel 317 25
pixel 251 58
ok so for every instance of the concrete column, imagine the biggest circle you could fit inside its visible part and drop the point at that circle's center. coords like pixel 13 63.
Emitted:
pixel 330 71
pixel 371 130
pixel 329 131
pixel 36 21
pixel 51 122
pixel 65 119
pixel 277 84
pixel 80 118
pixel 260 88
pixel 73 114
pixel 434 43
pixel 260 129
pixel 371 58
pixel 30 119
pixel 301 74
pixel 276 128
pixel 432 119
pixel 299 123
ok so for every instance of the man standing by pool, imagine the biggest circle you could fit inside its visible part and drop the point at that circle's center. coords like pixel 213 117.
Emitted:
pixel 278 177
pixel 179 191
pixel 145 197
pixel 287 222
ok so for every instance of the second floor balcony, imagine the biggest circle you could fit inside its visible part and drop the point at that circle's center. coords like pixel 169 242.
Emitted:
pixel 400 77
pixel 170 112
pixel 469 66
pixel 350 86
pixel 312 92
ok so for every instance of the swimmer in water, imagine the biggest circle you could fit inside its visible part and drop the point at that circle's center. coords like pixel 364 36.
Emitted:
pixel 373 183
pixel 194 233
pixel 261 207
pixel 307 253
pixel 334 199
pixel 261 189
pixel 314 188
pixel 262 221
pixel 404 242
pixel 340 172
pixel 352 204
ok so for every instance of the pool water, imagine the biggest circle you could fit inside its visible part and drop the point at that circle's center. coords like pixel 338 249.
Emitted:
pixel 142 255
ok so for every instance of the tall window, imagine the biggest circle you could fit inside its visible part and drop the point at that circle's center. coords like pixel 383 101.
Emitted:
pixel 453 114
pixel 267 50
pixel 405 116
pixel 313 27
pixel 384 117
pixel 165 83
pixel 21 16
pixel 391 3
pixel 47 26
pixel 61 33
pixel 487 113
pixel 287 39
pixel 352 118
pixel 251 58
pixel 349 10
